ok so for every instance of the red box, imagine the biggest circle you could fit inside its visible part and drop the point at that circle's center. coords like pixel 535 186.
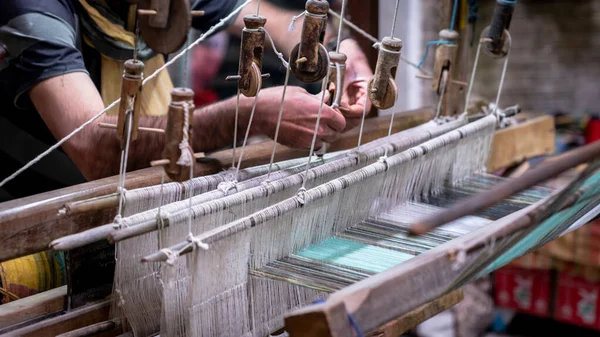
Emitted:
pixel 523 290
pixel 577 301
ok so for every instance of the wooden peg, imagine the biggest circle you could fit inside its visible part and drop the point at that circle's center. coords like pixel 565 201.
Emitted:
pixel 180 99
pixel 382 88
pixel 131 88
pixel 140 129
pixel 308 60
pixel 142 12
pixel 501 19
pixel 445 59
pixel 251 55
pixel 198 13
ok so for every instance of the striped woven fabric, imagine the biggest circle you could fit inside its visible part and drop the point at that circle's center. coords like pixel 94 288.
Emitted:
pixel 382 242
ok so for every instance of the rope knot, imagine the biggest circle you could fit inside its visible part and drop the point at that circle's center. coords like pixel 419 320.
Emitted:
pixel 196 242
pixel 118 222
pixel 187 157
pixel 302 196
pixel 292 26
pixel 227 186
pixel 171 256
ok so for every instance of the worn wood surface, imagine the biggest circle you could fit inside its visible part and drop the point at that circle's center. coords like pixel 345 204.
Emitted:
pixel 66 322
pixel 532 138
pixel 27 308
pixel 29 224
pixel 410 320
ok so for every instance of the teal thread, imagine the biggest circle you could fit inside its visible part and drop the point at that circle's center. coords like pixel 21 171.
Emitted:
pixel 354 255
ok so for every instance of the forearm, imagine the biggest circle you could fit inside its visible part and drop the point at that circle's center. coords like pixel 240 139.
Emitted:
pixel 214 125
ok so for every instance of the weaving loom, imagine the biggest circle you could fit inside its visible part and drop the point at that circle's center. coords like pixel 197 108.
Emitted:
pixel 249 251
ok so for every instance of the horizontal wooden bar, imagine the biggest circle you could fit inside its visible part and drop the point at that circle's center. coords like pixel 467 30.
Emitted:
pixel 69 321
pixel 38 305
pixel 29 224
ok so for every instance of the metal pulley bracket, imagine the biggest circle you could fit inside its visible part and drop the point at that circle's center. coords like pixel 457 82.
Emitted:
pixel 309 59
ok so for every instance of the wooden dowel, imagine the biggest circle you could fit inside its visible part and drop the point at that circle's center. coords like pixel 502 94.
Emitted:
pixel 92 205
pixel 197 13
pixel 141 128
pixel 489 198
pixel 91 330
pixel 81 239
pixel 160 162
pixel 146 12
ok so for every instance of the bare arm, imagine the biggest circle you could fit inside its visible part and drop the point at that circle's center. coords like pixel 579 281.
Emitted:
pixel 66 102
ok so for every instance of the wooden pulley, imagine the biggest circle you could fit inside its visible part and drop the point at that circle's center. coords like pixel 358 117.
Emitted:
pixel 445 59
pixel 497 31
pixel 382 88
pixel 340 60
pixel 131 89
pixel 182 100
pixel 308 60
pixel 164 24
pixel 251 55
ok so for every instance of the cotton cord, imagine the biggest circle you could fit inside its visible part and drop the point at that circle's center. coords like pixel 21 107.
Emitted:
pixel 278 53
pixel 395 17
pixel 279 116
pixel 362 123
pixel 235 128
pixel 187 157
pixel 123 170
pixel 504 68
pixel 113 104
pixel 376 42
pixel 441 100
pixel 239 163
pixel 314 140
pixel 341 26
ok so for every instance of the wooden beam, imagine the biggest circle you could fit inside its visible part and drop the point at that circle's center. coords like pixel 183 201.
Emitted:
pixel 532 138
pixel 39 305
pixel 79 318
pixel 415 317
pixel 28 225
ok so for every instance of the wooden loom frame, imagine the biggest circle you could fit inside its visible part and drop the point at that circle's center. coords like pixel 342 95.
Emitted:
pixel 27 225
pixel 21 220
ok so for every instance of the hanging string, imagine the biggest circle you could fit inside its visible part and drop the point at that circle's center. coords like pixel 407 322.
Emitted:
pixel 362 123
pixel 376 42
pixel 504 68
pixel 285 85
pixel 124 157
pixel 314 140
pixel 444 83
pixel 235 128
pixel 472 80
pixel 395 17
pixel 209 32
pixel 341 26
pixel 239 162
pixel 454 11
pixel 257 7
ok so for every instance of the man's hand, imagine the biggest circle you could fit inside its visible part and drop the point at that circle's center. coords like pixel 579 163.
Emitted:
pixel 299 117
pixel 358 74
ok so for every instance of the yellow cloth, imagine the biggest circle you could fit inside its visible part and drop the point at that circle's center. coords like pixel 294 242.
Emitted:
pixel 156 94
